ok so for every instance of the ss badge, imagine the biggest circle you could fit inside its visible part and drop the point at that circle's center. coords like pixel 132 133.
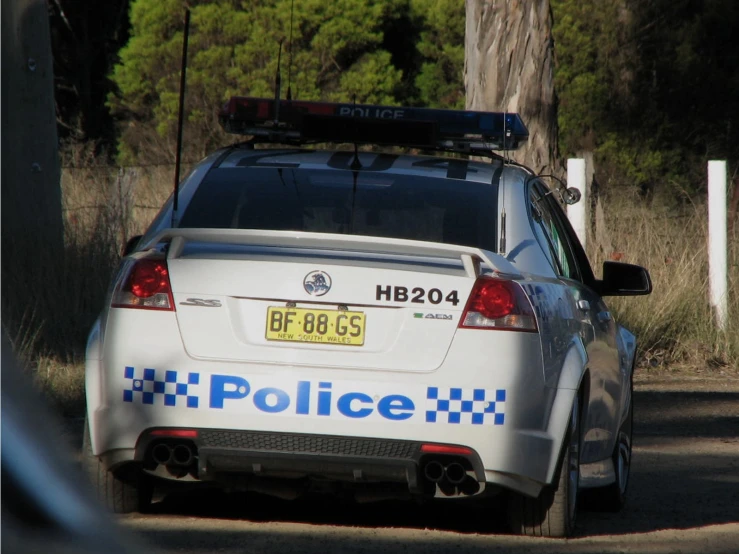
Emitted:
pixel 202 303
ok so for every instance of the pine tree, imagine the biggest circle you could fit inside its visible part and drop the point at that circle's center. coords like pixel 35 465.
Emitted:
pixel 336 53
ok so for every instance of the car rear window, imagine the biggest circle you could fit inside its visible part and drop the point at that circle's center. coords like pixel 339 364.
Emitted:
pixel 366 203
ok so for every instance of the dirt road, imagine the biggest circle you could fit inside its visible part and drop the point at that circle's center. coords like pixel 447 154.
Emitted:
pixel 683 497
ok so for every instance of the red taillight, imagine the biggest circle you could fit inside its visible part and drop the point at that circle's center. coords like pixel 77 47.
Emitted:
pixel 445 449
pixel 498 304
pixel 493 299
pixel 176 433
pixel 148 278
pixel 145 285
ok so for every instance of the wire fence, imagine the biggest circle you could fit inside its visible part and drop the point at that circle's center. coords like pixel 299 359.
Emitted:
pixel 116 201
pixel 136 192
pixel 108 167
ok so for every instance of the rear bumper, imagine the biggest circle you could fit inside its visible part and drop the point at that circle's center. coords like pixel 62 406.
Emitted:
pixel 223 455
pixel 488 395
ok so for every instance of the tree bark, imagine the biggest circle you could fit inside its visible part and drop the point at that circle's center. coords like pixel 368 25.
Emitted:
pixel 31 196
pixel 32 228
pixel 509 66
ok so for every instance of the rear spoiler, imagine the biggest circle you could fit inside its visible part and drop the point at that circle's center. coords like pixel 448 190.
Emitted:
pixel 471 258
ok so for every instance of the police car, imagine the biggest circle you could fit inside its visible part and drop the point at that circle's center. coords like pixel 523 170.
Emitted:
pixel 365 322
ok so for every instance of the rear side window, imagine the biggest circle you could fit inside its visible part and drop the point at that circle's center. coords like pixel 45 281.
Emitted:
pixel 552 236
pixel 367 203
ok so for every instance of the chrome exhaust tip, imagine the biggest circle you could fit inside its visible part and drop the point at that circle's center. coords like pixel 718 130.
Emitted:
pixel 434 472
pixel 455 473
pixel 162 454
pixel 182 455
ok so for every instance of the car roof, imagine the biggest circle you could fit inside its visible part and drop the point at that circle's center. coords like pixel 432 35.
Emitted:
pixel 395 163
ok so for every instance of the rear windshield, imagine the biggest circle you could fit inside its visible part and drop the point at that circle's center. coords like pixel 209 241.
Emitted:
pixel 366 203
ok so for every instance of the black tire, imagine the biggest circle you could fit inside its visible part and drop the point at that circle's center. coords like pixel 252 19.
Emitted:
pixel 123 491
pixel 613 497
pixel 553 513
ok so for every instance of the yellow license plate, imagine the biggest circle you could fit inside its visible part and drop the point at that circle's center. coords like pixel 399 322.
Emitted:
pixel 321 326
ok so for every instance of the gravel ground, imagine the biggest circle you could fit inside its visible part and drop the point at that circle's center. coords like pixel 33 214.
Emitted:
pixel 683 497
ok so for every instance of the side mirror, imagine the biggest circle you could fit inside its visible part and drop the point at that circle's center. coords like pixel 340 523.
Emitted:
pixel 131 245
pixel 620 279
pixel 571 196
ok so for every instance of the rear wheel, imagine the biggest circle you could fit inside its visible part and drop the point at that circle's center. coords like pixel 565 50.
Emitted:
pixel 612 497
pixel 122 491
pixel 553 513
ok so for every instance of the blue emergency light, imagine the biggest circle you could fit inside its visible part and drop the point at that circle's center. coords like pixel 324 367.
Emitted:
pixel 311 122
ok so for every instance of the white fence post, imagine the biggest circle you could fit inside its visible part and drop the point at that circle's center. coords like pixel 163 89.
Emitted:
pixel 717 240
pixel 578 213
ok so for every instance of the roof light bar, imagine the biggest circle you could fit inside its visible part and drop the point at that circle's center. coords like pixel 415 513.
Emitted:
pixel 306 122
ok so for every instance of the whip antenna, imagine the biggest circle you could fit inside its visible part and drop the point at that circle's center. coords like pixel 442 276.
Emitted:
pixel 290 54
pixel 180 116
pixel 502 243
pixel 278 82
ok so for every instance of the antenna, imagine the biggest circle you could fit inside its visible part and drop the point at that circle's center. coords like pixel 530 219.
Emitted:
pixel 180 116
pixel 290 54
pixel 505 91
pixel 278 81
pixel 502 244
pixel 356 164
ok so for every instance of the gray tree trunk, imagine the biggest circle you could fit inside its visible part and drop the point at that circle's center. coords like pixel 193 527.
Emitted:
pixel 509 66
pixel 31 196
pixel 32 229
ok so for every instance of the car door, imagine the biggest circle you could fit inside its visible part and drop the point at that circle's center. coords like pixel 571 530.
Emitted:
pixel 597 329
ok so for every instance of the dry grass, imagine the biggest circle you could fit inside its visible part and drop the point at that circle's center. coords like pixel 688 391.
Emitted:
pixel 675 325
pixel 49 314
pixel 56 299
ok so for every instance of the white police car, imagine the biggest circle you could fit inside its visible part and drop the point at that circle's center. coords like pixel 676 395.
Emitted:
pixel 364 322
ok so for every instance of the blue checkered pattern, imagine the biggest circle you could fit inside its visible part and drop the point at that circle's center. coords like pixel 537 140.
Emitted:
pixel 146 388
pixel 470 406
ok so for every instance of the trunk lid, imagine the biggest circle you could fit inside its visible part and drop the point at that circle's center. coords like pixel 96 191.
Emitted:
pixel 307 299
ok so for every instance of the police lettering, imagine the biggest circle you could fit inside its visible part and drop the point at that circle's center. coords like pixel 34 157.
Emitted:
pixel 310 398
pixel 371 111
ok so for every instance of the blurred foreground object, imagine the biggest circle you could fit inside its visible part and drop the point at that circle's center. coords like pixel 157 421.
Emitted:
pixel 46 504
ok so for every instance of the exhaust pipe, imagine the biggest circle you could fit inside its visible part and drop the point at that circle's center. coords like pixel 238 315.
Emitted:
pixel 469 486
pixel 161 453
pixel 176 471
pixel 455 473
pixel 434 471
pixel 182 455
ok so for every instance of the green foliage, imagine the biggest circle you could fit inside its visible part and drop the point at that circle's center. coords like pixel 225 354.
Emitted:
pixel 368 51
pixel 441 47
pixel 372 78
pixel 591 77
pixel 648 85
pixel 337 54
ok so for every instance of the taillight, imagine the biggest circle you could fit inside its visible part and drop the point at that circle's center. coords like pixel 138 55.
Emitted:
pixel 145 285
pixel 498 304
pixel 176 433
pixel 445 449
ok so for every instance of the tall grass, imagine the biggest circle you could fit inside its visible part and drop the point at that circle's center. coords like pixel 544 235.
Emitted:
pixel 674 325
pixel 49 312
pixel 51 299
